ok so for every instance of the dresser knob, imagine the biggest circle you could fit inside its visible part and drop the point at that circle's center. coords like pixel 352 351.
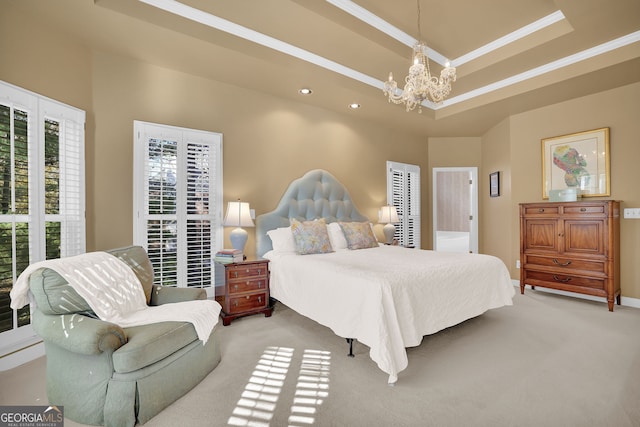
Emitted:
pixel 541 210
pixel 259 299
pixel 583 209
pixel 235 287
pixel 235 274
pixel 247 297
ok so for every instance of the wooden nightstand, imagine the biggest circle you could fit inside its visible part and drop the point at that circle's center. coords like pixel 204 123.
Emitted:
pixel 242 288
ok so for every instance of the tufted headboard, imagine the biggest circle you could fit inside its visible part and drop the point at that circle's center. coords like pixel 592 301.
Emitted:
pixel 317 194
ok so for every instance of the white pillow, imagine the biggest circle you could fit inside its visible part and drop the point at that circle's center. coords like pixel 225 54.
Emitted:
pixel 282 239
pixel 336 236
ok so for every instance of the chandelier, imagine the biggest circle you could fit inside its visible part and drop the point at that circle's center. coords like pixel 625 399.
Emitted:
pixel 420 85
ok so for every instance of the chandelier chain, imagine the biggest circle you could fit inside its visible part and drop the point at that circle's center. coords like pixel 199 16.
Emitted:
pixel 419 26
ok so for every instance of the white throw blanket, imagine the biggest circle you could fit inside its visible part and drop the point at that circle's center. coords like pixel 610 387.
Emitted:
pixel 115 294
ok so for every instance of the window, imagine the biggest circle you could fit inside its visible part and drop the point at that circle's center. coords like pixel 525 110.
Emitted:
pixel 403 192
pixel 42 205
pixel 178 202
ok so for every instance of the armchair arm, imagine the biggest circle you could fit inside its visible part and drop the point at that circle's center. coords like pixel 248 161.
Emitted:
pixel 78 333
pixel 168 294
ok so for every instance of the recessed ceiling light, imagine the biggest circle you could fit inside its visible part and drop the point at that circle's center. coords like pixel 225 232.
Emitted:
pixel 354 106
pixel 305 91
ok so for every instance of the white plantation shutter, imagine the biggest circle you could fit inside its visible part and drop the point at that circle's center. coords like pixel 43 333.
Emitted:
pixel 178 206
pixel 42 201
pixel 403 192
pixel 69 172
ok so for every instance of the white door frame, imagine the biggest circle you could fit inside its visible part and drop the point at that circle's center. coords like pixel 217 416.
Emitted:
pixel 473 234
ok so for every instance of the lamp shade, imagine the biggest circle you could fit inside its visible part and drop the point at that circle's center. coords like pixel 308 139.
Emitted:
pixel 238 215
pixel 388 215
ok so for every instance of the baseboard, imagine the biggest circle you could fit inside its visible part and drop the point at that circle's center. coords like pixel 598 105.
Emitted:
pixel 627 301
pixel 22 356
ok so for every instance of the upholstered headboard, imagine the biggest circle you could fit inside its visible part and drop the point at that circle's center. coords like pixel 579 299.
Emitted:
pixel 317 194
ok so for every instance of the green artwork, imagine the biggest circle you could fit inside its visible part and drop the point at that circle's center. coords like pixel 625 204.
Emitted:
pixel 573 164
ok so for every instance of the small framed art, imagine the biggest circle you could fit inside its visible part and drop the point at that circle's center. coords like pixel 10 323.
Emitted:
pixel 494 184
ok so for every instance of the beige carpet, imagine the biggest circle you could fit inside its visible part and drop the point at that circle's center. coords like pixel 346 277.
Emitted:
pixel 547 361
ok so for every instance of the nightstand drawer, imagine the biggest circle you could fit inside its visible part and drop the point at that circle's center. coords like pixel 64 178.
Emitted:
pixel 247 285
pixel 243 303
pixel 244 271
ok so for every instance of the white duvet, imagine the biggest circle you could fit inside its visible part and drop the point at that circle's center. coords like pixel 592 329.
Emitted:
pixel 389 297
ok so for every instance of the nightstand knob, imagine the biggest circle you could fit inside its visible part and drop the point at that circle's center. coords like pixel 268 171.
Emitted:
pixel 259 284
pixel 247 283
pixel 247 297
pixel 235 287
pixel 247 270
pixel 235 303
pixel 259 271
pixel 259 299
pixel 583 209
pixel 235 274
pixel 541 210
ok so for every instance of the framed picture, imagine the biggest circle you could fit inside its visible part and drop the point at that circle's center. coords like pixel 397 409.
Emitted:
pixel 494 184
pixel 578 160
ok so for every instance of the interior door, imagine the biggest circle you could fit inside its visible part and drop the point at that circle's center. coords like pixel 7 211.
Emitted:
pixel 455 207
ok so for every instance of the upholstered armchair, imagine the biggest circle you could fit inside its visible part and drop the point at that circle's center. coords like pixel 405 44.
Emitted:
pixel 107 375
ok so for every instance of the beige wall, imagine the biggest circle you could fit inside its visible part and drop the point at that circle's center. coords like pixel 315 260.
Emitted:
pixel 267 141
pixel 516 142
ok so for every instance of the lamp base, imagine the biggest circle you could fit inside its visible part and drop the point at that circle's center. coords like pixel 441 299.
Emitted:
pixel 238 238
pixel 389 231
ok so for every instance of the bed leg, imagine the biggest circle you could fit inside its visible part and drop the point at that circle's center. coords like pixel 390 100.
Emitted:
pixel 350 341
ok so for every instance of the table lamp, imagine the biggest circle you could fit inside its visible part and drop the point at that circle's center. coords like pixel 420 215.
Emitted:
pixel 388 216
pixel 238 215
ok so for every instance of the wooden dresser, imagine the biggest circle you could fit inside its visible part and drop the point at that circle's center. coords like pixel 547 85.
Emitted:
pixel 571 246
pixel 242 288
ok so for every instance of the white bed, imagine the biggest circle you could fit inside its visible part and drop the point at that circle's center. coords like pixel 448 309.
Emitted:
pixel 386 297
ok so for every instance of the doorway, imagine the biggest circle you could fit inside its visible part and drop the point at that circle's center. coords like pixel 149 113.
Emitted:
pixel 455 207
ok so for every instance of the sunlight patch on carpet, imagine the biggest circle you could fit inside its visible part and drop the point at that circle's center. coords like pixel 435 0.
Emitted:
pixel 257 404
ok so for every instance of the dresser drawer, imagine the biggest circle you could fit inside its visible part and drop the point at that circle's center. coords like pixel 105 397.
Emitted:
pixel 533 261
pixel 540 210
pixel 245 303
pixel 557 279
pixel 247 285
pixel 244 271
pixel 584 210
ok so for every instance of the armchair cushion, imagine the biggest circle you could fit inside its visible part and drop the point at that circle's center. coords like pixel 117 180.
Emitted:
pixel 54 295
pixel 136 257
pixel 150 343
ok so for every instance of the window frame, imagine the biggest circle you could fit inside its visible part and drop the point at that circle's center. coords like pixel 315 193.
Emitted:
pixel 40 109
pixel 406 200
pixel 143 131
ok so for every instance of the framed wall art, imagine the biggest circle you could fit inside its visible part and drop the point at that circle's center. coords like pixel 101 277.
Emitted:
pixel 577 161
pixel 494 184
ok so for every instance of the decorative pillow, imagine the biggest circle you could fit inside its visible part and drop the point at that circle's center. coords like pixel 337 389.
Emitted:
pixel 282 239
pixel 359 235
pixel 311 237
pixel 336 236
